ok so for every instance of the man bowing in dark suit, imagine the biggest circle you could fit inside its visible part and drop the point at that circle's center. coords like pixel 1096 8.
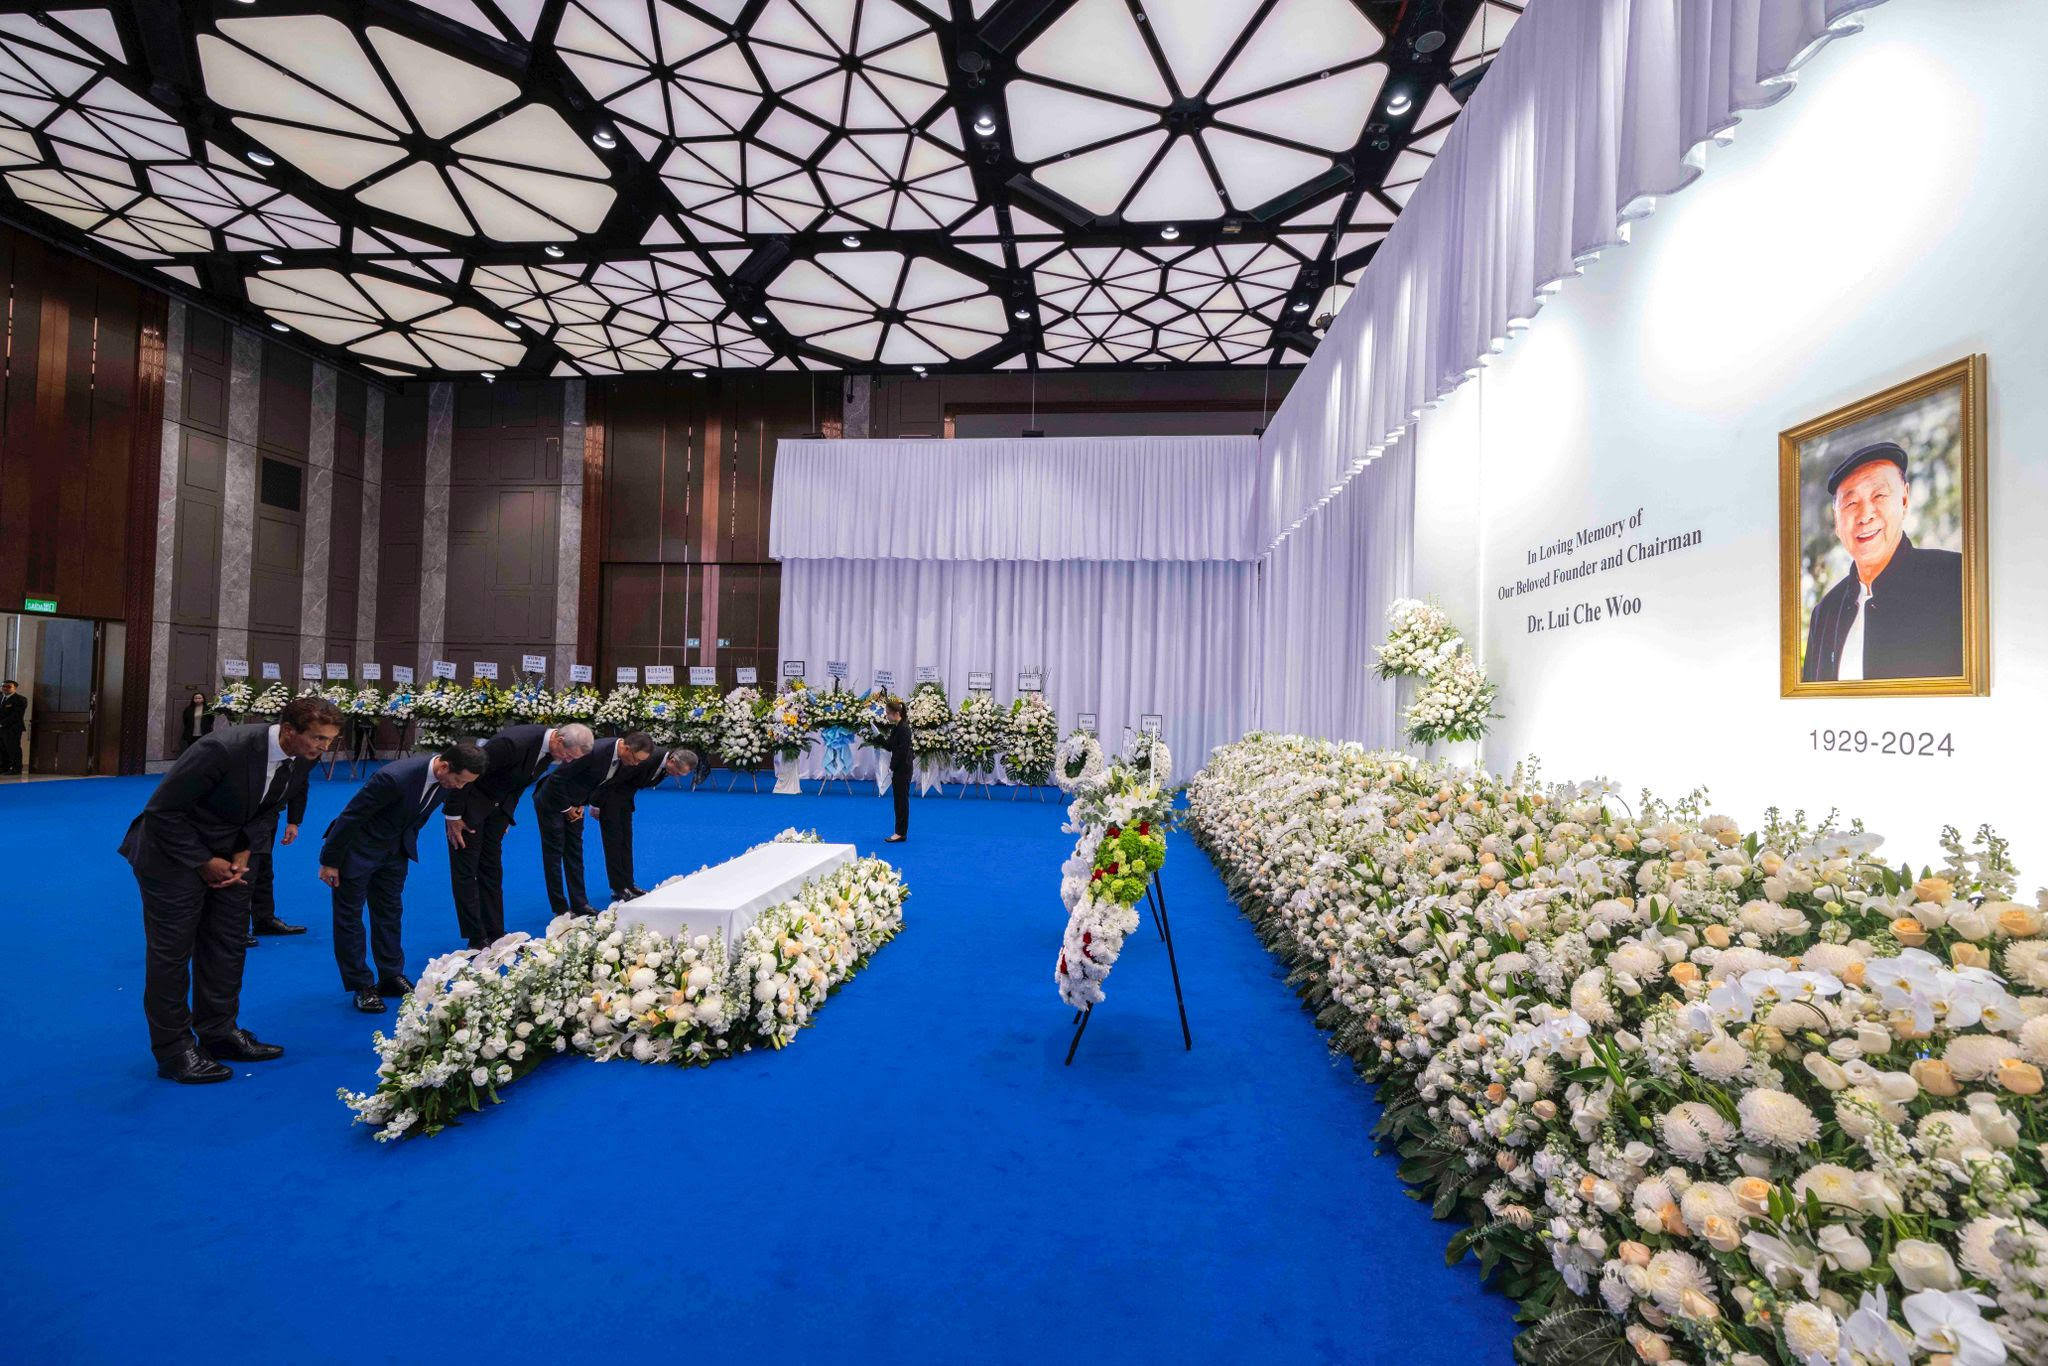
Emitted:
pixel 263 916
pixel 190 852
pixel 518 756
pixel 364 857
pixel 558 806
pixel 613 802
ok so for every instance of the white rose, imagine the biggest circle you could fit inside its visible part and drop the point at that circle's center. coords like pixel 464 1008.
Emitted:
pixel 1844 1248
pixel 1921 1265
pixel 480 1076
pixel 1969 922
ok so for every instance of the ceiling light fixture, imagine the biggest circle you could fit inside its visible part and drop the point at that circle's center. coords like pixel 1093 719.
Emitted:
pixel 1400 104
pixel 758 319
pixel 515 324
pixel 698 374
pixel 553 250
pixel 260 157
pixel 279 327
pixel 1298 306
pixel 1021 314
pixel 490 376
pixel 985 124
pixel 849 241
pixel 1170 233
pixel 605 138
pixel 1430 41
pixel 271 258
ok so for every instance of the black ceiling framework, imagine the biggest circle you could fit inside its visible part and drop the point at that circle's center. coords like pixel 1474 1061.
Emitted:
pixel 495 232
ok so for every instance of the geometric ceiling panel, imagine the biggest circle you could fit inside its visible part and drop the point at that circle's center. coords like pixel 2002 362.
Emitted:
pixel 605 186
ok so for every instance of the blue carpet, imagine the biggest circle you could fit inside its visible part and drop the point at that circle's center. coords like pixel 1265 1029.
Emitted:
pixel 917 1178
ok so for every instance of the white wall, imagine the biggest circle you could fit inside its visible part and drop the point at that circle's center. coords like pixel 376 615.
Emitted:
pixel 1888 217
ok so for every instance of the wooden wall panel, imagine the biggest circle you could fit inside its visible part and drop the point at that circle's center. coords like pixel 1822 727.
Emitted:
pixel 504 512
pixel 399 517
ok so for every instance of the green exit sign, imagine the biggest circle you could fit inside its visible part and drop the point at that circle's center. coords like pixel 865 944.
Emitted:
pixel 38 604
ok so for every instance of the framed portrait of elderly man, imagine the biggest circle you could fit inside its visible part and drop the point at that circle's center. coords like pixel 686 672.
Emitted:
pixel 1881 544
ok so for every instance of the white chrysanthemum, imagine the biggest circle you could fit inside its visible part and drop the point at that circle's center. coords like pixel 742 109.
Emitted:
pixel 1974 1244
pixel 1812 1330
pixel 2026 962
pixel 1945 1133
pixel 1831 1184
pixel 1638 960
pixel 1670 1274
pixel 1708 1199
pixel 1833 959
pixel 1694 1129
pixel 1977 1055
pixel 1589 997
pixel 2034 1039
pixel 1720 1059
pixel 1776 1120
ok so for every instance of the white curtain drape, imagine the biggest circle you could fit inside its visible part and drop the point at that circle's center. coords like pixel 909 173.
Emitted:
pixel 1592 109
pixel 1118 639
pixel 1083 498
pixel 1323 596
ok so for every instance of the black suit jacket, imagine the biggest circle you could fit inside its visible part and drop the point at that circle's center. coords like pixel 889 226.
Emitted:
pixel 900 754
pixel 615 797
pixel 383 819
pixel 13 713
pixel 515 755
pixel 576 782
pixel 210 804
pixel 1912 626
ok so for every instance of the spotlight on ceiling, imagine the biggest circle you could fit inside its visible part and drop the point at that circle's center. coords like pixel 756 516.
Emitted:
pixel 918 368
pixel 1169 233
pixel 279 327
pixel 758 319
pixel 985 124
pixel 1400 104
pixel 553 250
pixel 849 241
pixel 260 157
pixel 1298 306
pixel 490 376
pixel 698 374
pixel 515 324
pixel 271 258
pixel 605 138
pixel 1021 314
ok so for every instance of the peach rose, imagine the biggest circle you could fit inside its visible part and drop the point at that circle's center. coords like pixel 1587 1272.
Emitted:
pixel 1753 1193
pixel 1969 955
pixel 2021 922
pixel 2020 1078
pixel 1934 1077
pixel 1717 936
pixel 1684 973
pixel 1633 1253
pixel 1909 932
pixel 1935 889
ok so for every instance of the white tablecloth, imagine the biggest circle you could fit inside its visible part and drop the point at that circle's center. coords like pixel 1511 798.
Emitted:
pixel 726 898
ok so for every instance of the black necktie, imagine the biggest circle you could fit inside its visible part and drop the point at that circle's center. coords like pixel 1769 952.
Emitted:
pixel 279 782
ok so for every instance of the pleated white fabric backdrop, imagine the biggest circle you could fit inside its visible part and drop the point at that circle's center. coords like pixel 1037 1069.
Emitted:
pixel 1118 638
pixel 1592 110
pixel 1323 596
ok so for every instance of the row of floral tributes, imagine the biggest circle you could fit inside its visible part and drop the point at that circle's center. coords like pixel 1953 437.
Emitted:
pixel 1121 813
pixel 479 1020
pixel 1703 1095
pixel 743 726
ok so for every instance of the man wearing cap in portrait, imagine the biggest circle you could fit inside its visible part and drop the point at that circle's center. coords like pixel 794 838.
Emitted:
pixel 1900 613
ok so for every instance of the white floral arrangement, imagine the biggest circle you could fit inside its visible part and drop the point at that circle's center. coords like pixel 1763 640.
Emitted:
pixel 479 1019
pixel 1420 637
pixel 399 706
pixel 578 703
pixel 1034 741
pixel 790 732
pixel 980 730
pixel 743 732
pixel 1701 1095
pixel 620 710
pixel 234 697
pixel 270 702
pixel 662 714
pixel 1079 762
pixel 434 707
pixel 931 721
pixel 365 702
pixel 528 703
pixel 1150 758
pixel 1122 825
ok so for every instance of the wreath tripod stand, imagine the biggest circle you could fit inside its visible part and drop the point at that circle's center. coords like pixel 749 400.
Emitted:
pixel 1155 898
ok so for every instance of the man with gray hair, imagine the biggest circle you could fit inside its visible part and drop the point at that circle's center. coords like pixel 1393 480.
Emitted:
pixel 519 757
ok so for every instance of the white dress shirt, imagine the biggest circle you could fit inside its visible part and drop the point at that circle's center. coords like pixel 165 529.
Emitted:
pixel 1851 666
pixel 277 756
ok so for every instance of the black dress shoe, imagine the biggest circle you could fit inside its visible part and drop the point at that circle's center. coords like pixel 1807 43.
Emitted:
pixel 582 910
pixel 191 1067
pixel 250 941
pixel 276 926
pixel 629 893
pixel 240 1046
pixel 369 1002
pixel 398 987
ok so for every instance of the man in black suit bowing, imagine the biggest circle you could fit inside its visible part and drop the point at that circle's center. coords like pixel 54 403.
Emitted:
pixel 364 857
pixel 613 802
pixel 190 852
pixel 558 805
pixel 518 756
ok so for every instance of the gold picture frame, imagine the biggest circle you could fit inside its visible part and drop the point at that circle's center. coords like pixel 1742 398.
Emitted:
pixel 1940 411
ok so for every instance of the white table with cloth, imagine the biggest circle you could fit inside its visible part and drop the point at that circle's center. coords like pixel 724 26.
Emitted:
pixel 725 899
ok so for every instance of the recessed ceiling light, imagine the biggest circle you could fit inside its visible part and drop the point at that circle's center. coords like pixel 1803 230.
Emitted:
pixel 698 374
pixel 849 241
pixel 605 138
pixel 260 157
pixel 515 324
pixel 553 250
pixel 1400 104
pixel 757 318
pixel 1020 314
pixel 985 124
pixel 1298 306
pixel 1170 233
pixel 279 327
pixel 918 368
pixel 271 258
pixel 1430 41
pixel 490 376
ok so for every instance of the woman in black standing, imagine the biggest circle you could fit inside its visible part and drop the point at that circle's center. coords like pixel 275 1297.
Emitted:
pixel 198 721
pixel 899 768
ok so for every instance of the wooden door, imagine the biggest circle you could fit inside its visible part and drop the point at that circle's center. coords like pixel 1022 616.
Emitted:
pixel 60 720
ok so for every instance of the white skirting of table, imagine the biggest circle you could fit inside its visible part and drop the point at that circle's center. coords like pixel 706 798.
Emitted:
pixel 724 899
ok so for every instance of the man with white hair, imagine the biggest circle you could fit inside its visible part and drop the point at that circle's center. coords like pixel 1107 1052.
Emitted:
pixel 519 757
pixel 1899 613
